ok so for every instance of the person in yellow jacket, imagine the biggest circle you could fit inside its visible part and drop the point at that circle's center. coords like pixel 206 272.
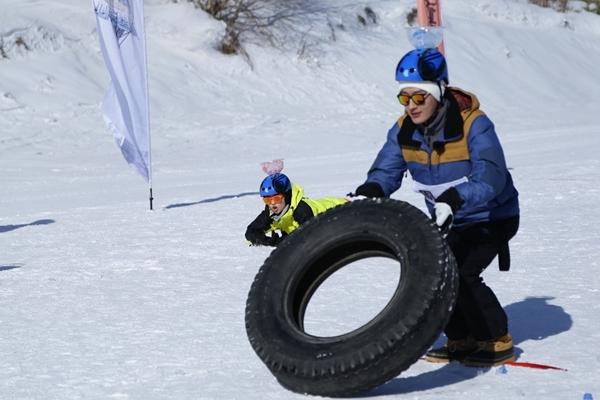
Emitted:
pixel 286 209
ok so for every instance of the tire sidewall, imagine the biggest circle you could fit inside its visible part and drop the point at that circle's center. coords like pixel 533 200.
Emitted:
pixel 292 354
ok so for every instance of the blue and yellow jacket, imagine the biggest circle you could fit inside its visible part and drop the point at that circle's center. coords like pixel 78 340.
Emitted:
pixel 469 158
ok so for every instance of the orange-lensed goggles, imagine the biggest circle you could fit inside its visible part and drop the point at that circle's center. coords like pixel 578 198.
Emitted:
pixel 278 198
pixel 417 98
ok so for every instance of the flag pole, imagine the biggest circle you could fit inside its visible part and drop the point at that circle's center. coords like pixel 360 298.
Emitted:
pixel 151 198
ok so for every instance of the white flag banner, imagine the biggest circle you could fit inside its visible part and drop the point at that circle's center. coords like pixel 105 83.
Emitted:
pixel 125 106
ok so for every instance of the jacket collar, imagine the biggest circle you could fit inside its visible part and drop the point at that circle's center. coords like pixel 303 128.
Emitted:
pixel 461 104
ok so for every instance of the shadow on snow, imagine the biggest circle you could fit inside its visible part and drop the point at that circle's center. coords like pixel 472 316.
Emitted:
pixel 530 319
pixel 212 200
pixel 8 228
pixel 8 267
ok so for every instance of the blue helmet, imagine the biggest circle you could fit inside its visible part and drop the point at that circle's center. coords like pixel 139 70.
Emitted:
pixel 275 184
pixel 422 65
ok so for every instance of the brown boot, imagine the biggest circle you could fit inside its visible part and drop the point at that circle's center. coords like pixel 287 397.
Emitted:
pixel 490 353
pixel 453 350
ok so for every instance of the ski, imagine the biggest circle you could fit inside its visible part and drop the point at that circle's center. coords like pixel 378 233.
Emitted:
pixel 522 364
pixel 533 365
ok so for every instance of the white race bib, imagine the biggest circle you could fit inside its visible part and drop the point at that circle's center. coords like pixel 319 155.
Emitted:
pixel 432 192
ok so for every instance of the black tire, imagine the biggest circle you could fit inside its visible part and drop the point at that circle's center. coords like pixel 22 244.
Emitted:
pixel 385 346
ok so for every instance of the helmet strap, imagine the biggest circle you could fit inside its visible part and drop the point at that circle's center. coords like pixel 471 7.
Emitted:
pixel 442 92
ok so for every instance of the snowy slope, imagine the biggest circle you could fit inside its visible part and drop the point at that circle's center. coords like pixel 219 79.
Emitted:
pixel 105 299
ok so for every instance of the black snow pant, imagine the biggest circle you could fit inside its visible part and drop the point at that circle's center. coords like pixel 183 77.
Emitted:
pixel 478 312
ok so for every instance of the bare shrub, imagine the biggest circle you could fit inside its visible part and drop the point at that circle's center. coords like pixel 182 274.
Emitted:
pixel 7 45
pixel 411 17
pixel 19 41
pixel 559 5
pixel 2 51
pixel 592 6
pixel 563 5
pixel 371 14
pixel 248 19
pixel 287 24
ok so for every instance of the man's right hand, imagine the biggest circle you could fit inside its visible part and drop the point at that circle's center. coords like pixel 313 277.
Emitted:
pixel 369 189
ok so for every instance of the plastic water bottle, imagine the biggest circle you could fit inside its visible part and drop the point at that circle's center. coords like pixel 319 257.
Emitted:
pixel 588 396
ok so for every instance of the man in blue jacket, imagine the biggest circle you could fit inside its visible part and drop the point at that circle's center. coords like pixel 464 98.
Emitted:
pixel 456 161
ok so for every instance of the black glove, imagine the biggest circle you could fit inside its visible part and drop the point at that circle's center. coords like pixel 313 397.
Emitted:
pixel 368 189
pixel 452 198
pixel 275 239
pixel 260 239
pixel 255 236
pixel 255 232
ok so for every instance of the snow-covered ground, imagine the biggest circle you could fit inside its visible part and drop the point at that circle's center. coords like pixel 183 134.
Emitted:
pixel 103 299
